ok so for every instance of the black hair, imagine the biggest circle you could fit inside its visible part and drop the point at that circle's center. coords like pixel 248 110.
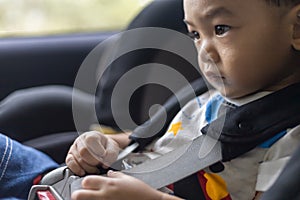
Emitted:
pixel 283 2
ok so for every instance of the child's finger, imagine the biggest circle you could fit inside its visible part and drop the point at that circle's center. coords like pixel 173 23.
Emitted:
pixel 77 164
pixel 86 152
pixel 85 194
pixel 73 165
pixel 115 174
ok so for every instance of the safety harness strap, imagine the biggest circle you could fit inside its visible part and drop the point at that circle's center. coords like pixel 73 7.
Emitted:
pixel 228 137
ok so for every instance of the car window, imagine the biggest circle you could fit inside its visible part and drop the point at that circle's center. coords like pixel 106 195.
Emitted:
pixel 48 17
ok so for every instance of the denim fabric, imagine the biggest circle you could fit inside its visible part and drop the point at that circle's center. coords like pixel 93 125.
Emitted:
pixel 19 166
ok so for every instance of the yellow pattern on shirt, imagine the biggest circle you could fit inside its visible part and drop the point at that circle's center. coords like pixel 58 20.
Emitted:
pixel 215 186
pixel 175 128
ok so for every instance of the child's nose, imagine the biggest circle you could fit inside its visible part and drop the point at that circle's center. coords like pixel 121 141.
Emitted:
pixel 207 53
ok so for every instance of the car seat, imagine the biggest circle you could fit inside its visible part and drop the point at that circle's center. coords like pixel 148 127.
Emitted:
pixel 165 14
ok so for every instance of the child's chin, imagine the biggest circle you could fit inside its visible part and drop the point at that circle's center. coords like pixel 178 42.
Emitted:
pixel 231 94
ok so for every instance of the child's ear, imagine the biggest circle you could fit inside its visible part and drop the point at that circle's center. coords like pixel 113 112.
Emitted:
pixel 296 27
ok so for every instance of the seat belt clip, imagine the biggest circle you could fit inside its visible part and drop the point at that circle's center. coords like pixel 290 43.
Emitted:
pixel 43 192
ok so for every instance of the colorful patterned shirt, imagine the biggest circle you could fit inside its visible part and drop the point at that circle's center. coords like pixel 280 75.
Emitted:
pixel 242 177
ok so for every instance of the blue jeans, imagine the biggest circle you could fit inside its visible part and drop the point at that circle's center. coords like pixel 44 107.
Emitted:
pixel 19 166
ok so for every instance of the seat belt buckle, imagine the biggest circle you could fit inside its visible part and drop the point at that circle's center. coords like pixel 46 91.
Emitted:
pixel 43 192
pixel 54 185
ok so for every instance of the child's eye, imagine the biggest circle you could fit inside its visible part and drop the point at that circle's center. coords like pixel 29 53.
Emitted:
pixel 221 29
pixel 194 35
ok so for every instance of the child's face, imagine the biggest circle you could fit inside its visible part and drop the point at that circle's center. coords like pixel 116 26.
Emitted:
pixel 243 45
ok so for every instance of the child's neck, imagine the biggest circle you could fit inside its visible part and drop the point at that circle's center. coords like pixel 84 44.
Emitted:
pixel 248 98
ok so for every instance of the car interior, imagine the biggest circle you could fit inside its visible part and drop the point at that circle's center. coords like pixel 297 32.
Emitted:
pixel 38 74
pixel 52 63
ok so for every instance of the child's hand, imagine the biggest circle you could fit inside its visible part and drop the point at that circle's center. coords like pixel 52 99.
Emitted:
pixel 115 187
pixel 90 150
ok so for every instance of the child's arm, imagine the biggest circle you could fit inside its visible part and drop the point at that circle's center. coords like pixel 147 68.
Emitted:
pixel 93 149
pixel 118 186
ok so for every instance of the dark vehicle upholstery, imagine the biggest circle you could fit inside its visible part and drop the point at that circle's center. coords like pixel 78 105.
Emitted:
pixel 42 117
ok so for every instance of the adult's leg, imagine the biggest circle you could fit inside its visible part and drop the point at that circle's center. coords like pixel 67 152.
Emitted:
pixel 19 166
pixel 39 111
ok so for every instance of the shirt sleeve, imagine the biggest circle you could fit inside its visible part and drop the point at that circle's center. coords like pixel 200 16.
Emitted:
pixel 276 158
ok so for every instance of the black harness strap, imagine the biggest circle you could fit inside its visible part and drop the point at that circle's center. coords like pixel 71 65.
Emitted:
pixel 245 127
pixel 147 132
pixel 254 123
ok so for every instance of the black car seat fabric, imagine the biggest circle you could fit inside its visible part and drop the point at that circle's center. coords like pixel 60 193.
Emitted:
pixel 164 14
pixel 42 117
pixel 34 112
